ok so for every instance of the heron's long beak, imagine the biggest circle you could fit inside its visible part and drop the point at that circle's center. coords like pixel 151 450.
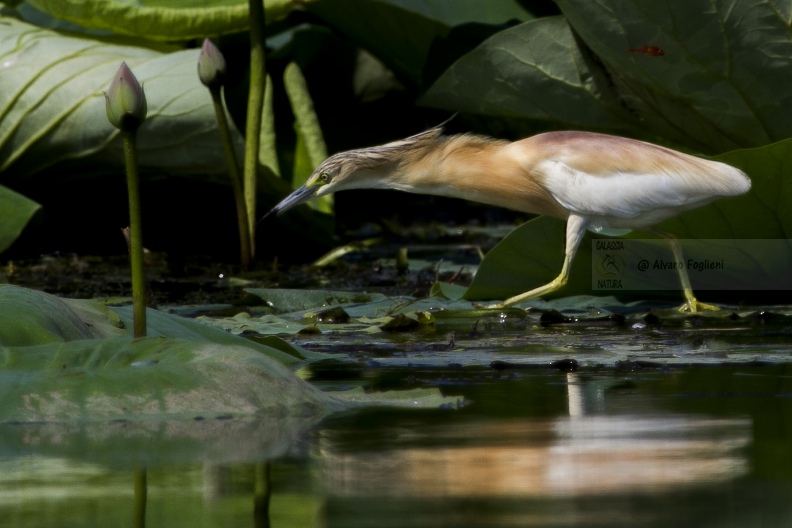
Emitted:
pixel 301 195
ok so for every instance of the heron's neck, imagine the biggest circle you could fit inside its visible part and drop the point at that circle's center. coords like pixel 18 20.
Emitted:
pixel 472 168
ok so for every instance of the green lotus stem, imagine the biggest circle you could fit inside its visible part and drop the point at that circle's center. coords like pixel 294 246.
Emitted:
pixel 262 491
pixel 135 235
pixel 141 493
pixel 258 84
pixel 236 180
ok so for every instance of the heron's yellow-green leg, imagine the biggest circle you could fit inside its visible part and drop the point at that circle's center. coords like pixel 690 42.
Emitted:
pixel 692 304
pixel 575 229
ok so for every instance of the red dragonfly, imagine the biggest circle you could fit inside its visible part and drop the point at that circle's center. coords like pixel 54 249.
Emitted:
pixel 654 51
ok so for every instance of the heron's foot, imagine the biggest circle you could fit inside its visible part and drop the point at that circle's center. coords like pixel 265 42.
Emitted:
pixel 696 306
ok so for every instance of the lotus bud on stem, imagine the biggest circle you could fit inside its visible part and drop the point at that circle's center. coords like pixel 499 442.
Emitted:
pixel 211 71
pixel 126 110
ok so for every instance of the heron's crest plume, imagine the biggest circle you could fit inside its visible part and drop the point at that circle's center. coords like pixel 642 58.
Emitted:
pixel 373 157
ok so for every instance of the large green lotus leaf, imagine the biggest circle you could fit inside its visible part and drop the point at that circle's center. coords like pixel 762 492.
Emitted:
pixel 165 379
pixel 464 11
pixel 534 70
pixel 161 19
pixel 15 212
pixel 400 33
pixel 52 106
pixel 30 317
pixel 718 85
pixel 532 254
pixel 160 324
pixel 714 88
pixel 98 380
pixel 70 361
pixel 156 401
pixel 148 378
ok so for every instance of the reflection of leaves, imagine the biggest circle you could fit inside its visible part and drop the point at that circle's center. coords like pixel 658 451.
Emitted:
pixel 132 444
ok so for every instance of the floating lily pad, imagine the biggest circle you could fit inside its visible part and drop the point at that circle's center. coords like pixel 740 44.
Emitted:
pixel 65 361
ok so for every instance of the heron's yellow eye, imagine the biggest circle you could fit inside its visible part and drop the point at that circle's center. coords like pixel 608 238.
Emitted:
pixel 325 177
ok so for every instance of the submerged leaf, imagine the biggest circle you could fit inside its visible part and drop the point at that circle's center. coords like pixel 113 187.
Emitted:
pixel 266 325
pixel 448 291
pixel 293 300
pixel 159 324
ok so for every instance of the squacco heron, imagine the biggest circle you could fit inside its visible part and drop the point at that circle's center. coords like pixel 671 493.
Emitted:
pixel 607 184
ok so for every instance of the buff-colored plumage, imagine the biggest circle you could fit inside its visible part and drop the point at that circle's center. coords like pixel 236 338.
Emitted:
pixel 604 183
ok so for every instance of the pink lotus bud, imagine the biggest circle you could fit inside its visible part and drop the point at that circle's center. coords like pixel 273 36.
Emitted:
pixel 125 100
pixel 211 65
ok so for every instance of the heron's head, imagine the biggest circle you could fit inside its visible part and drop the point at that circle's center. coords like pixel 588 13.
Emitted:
pixel 368 168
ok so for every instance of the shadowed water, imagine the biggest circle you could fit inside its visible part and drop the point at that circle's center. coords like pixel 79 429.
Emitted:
pixel 698 446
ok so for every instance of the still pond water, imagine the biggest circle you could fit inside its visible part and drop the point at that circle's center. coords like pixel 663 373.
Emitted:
pixel 684 425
